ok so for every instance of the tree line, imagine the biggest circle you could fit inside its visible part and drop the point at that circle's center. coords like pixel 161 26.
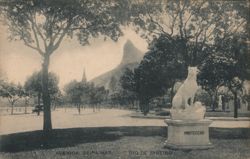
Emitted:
pixel 83 93
pixel 75 93
pixel 31 89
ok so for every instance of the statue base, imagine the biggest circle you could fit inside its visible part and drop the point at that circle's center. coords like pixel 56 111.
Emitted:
pixel 188 134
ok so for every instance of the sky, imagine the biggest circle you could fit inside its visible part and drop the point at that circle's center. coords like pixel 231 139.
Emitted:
pixel 18 62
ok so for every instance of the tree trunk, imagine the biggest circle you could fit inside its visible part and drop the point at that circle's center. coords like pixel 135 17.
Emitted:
pixel 12 108
pixel 99 107
pixel 39 99
pixel 47 125
pixel 26 105
pixel 25 109
pixel 235 105
pixel 79 109
pixel 214 100
pixel 172 94
pixel 223 103
pixel 54 106
pixel 39 103
pixel 144 106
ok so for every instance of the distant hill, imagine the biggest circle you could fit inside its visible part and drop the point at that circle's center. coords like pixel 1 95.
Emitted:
pixel 131 59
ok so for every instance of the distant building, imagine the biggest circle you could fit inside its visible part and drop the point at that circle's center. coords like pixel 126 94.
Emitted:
pixel 84 78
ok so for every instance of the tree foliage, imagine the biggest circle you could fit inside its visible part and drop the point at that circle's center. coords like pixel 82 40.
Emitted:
pixel 80 93
pixel 127 94
pixel 127 80
pixel 217 70
pixel 74 90
pixel 197 22
pixel 97 95
pixel 161 67
pixel 42 24
pixel 33 84
pixel 222 70
pixel 12 92
pixel 113 85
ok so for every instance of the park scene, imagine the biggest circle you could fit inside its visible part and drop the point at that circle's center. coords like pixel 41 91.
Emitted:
pixel 124 79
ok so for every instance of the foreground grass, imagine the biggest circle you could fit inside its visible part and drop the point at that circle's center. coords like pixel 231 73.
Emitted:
pixel 133 147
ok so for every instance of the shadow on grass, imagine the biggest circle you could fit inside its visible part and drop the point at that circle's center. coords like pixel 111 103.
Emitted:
pixel 229 133
pixel 58 138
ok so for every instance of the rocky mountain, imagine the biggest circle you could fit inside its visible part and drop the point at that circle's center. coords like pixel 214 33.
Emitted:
pixel 131 59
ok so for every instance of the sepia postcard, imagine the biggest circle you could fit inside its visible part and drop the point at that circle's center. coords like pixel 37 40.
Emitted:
pixel 124 79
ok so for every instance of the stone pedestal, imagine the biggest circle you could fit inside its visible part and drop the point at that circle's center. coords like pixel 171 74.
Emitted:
pixel 188 134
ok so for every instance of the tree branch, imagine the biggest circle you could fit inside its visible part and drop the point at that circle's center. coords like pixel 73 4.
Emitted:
pixel 156 23
pixel 36 38
pixel 65 30
pixel 233 32
pixel 53 38
pixel 239 26
pixel 39 33
pixel 185 24
pixel 9 99
pixel 173 24
pixel 181 26
pixel 32 47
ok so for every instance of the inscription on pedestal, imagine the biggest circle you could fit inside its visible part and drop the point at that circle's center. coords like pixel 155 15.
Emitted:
pixel 193 132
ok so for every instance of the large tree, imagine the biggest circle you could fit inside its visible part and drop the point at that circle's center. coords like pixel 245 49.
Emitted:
pixel 128 85
pixel 75 91
pixel 33 85
pixel 216 71
pixel 162 66
pixel 96 95
pixel 198 22
pixel 223 70
pixel 12 92
pixel 43 24
pixel 80 93
pixel 229 68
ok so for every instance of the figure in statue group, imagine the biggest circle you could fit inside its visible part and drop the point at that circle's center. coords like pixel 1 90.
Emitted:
pixel 183 105
pixel 184 97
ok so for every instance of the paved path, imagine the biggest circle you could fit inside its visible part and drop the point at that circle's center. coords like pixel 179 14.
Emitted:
pixel 88 118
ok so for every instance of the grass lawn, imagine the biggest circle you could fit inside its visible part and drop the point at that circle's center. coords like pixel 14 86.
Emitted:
pixel 138 147
pixel 106 143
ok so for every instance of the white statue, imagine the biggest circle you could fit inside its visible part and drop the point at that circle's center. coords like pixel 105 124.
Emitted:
pixel 183 106
pixel 186 91
pixel 220 102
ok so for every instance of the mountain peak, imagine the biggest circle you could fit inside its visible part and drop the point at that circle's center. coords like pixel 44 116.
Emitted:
pixel 131 59
pixel 129 44
pixel 130 53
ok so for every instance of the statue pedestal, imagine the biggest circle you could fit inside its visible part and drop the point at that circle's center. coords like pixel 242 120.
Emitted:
pixel 188 134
